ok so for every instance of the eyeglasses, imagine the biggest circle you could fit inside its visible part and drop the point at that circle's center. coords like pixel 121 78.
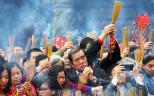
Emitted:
pixel 82 58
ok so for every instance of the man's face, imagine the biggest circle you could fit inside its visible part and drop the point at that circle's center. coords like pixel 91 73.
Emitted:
pixel 79 61
pixel 149 68
pixel 122 78
pixel 33 57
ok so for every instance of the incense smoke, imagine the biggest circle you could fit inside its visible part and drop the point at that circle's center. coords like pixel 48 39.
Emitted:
pixel 26 17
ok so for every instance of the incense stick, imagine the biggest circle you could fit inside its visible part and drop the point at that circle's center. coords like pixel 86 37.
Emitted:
pixel 151 36
pixel 11 42
pixel 27 44
pixel 116 10
pixel 125 37
pixel 101 52
pixel 45 41
pixel 69 37
pixel 34 41
pixel 49 51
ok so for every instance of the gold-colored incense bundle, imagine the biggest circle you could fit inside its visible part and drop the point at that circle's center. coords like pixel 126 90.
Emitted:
pixel 34 41
pixel 133 91
pixel 101 52
pixel 137 54
pixel 138 57
pixel 69 37
pixel 49 52
pixel 28 44
pixel 11 42
pixel 141 44
pixel 116 10
pixel 30 73
pixel 151 36
pixel 126 37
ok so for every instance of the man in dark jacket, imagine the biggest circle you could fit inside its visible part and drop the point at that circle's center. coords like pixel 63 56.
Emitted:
pixel 92 77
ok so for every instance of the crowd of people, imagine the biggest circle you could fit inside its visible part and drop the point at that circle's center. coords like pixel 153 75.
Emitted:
pixel 79 70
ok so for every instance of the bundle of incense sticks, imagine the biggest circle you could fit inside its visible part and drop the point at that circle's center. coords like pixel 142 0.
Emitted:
pixel 45 41
pixel 11 42
pixel 28 44
pixel 138 58
pixel 30 73
pixel 69 37
pixel 137 54
pixel 49 51
pixel 151 35
pixel 126 37
pixel 116 10
pixel 141 44
pixel 101 52
pixel 133 91
pixel 34 41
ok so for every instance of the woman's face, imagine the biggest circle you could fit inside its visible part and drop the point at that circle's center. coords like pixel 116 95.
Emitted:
pixel 16 75
pixel 61 78
pixel 3 79
pixel 44 90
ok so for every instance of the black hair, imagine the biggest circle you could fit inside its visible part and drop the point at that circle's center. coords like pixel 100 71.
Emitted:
pixel 39 58
pixel 73 51
pixel 15 64
pixel 32 50
pixel 147 58
pixel 54 49
pixel 85 41
pixel 51 82
pixel 4 66
pixel 2 60
pixel 54 70
pixel 109 71
pixel 133 47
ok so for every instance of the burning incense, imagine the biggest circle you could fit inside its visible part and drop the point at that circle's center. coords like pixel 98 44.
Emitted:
pixel 101 52
pixel 34 41
pixel 125 37
pixel 45 41
pixel 138 57
pixel 28 43
pixel 49 52
pixel 133 91
pixel 30 73
pixel 11 42
pixel 116 10
pixel 69 37
pixel 151 36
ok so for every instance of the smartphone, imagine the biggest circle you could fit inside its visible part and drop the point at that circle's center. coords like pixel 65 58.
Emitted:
pixel 128 67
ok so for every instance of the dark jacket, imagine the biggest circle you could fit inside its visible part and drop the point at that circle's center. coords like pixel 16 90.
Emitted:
pixel 102 78
pixel 148 81
pixel 105 63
